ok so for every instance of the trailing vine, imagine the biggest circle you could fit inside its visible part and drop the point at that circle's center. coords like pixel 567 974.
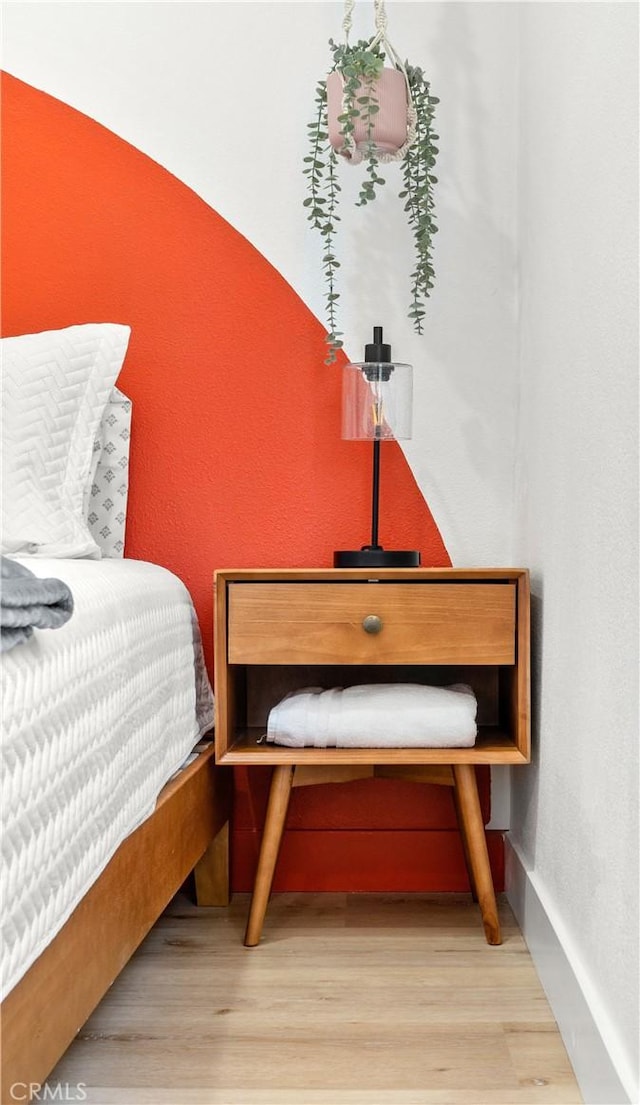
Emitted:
pixel 360 67
pixel 321 177
pixel 419 180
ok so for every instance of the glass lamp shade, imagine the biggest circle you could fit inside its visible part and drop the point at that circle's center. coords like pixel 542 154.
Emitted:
pixel 376 401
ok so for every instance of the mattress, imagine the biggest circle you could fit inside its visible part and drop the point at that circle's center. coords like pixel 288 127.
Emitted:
pixel 97 716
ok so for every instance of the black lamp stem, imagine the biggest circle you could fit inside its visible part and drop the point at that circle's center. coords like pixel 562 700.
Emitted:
pixel 375 497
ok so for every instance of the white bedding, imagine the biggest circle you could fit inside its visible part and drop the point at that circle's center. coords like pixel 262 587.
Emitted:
pixel 97 715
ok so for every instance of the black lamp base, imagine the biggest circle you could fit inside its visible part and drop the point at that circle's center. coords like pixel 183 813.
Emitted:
pixel 376 558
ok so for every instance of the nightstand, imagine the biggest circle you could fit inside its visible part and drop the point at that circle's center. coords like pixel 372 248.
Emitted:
pixel 280 630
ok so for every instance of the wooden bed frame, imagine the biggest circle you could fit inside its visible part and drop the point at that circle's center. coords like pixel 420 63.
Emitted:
pixel 188 829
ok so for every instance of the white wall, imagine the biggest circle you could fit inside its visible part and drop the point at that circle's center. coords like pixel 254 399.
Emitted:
pixel 220 94
pixel 575 811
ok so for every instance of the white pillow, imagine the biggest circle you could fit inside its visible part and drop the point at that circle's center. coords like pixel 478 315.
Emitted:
pixel 56 386
pixel 105 498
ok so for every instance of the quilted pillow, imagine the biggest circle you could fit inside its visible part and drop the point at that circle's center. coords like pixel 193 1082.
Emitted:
pixel 105 500
pixel 56 386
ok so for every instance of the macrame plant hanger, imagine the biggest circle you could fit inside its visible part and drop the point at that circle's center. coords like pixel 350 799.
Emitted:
pixel 349 148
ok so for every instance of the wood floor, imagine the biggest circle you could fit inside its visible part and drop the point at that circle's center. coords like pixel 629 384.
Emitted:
pixel 349 1000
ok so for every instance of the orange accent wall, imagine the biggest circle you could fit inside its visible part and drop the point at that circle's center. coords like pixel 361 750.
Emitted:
pixel 236 457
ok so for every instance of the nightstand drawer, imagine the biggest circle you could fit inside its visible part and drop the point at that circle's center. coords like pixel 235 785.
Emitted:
pixel 371 623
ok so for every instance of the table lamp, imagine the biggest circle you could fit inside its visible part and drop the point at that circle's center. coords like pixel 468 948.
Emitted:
pixel 376 407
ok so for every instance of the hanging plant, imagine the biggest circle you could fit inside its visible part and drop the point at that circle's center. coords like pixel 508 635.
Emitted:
pixel 372 113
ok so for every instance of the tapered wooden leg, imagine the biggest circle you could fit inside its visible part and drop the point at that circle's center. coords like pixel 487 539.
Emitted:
pixel 471 816
pixel 271 837
pixel 212 871
pixel 465 844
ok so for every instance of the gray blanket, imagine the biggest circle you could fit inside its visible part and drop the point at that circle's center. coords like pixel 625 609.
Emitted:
pixel 28 603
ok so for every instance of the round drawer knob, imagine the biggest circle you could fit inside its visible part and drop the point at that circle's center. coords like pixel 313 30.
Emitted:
pixel 372 623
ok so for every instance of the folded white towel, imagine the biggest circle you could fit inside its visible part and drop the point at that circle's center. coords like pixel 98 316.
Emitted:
pixel 378 715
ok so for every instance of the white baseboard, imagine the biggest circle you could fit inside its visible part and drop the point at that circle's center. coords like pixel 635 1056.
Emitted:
pixel 583 1027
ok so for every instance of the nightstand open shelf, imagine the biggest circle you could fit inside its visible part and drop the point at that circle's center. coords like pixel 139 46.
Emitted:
pixel 493 746
pixel 280 630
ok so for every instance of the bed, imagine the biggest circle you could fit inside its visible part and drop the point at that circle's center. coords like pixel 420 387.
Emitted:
pixel 110 796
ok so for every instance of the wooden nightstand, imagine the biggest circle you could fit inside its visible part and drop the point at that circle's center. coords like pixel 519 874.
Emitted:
pixel 280 630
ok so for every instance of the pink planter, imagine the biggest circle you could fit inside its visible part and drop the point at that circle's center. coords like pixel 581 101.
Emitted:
pixel 390 126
